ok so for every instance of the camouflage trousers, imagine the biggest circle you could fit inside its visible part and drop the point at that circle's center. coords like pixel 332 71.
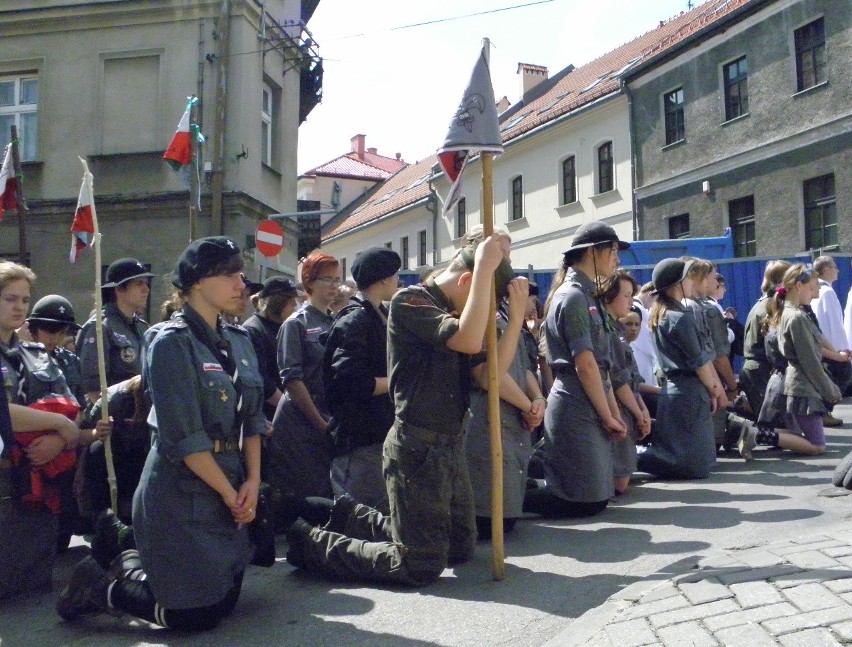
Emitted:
pixel 431 523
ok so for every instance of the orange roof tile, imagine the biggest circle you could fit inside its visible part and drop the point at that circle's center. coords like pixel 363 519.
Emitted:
pixel 600 77
pixel 406 187
pixel 372 167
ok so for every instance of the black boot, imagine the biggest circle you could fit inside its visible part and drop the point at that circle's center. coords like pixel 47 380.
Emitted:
pixel 111 538
pixel 86 591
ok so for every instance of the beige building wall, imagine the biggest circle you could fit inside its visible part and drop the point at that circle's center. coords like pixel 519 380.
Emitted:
pixel 113 81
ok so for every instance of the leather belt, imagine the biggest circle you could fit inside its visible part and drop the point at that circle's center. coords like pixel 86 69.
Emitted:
pixel 427 435
pixel 228 445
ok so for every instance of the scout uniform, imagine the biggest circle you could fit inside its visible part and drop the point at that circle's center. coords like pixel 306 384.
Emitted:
pixel 624 371
pixel 122 335
pixel 684 445
pixel 122 348
pixel 432 521
pixel 194 410
pixel 517 447
pixel 756 370
pixel 296 457
pixel 577 450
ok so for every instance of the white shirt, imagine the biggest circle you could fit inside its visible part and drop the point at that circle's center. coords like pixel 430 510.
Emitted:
pixel 731 335
pixel 847 319
pixel 643 348
pixel 826 307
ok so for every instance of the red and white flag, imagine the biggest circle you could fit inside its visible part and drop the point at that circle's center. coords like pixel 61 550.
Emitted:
pixel 474 128
pixel 83 227
pixel 8 183
pixel 179 152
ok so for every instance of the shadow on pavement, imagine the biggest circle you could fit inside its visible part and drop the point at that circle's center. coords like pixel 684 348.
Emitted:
pixel 699 516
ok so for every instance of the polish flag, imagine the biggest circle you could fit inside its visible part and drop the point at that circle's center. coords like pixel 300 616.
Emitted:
pixel 83 227
pixel 179 152
pixel 8 183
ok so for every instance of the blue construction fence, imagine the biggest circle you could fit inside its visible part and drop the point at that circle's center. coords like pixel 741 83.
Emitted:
pixel 743 276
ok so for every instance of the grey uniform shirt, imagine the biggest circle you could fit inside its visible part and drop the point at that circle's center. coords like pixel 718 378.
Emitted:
pixel 300 350
pixel 123 346
pixel 799 342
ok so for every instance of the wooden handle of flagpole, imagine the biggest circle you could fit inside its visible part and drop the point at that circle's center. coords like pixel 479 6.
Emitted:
pixel 494 426
pixel 99 336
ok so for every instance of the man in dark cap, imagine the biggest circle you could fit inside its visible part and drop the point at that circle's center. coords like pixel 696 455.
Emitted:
pixel 50 322
pixel 432 331
pixel 356 384
pixel 125 295
pixel 275 300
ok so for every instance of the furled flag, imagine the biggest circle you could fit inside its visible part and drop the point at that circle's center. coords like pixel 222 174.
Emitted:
pixel 8 183
pixel 83 227
pixel 473 129
pixel 179 152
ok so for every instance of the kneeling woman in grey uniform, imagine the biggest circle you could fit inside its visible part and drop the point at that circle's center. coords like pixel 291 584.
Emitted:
pixel 683 444
pixel 582 417
pixel 199 488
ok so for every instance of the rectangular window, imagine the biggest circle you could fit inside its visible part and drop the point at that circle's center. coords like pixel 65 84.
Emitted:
pixel 461 217
pixel 810 55
pixel 517 198
pixel 403 251
pixel 421 248
pixel 741 221
pixel 131 110
pixel 673 110
pixel 679 226
pixel 569 180
pixel 266 113
pixel 736 88
pixel 19 107
pixel 820 212
pixel 605 175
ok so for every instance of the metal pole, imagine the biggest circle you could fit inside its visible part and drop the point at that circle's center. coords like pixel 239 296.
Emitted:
pixel 218 179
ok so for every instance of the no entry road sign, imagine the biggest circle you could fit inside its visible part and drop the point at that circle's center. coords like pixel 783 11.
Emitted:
pixel 269 237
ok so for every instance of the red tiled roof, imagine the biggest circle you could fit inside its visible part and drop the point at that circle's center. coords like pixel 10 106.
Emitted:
pixel 600 77
pixel 575 89
pixel 372 167
pixel 407 186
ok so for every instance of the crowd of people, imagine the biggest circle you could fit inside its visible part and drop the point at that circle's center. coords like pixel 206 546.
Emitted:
pixel 354 418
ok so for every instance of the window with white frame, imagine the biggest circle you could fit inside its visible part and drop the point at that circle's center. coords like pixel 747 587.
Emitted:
pixel 606 181
pixel 673 112
pixel 19 107
pixel 267 111
pixel 517 198
pixel 569 180
pixel 421 248
pixel 403 252
pixel 461 217
pixel 735 76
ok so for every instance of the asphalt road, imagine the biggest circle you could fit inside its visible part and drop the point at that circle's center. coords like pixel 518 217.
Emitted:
pixel 555 571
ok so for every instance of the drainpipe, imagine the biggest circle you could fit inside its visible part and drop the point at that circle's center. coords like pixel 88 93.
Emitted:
pixel 634 171
pixel 218 175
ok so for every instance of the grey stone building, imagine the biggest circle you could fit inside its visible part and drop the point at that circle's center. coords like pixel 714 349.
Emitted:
pixel 108 81
pixel 747 123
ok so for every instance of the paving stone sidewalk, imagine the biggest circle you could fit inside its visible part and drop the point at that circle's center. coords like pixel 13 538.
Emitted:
pixel 795 593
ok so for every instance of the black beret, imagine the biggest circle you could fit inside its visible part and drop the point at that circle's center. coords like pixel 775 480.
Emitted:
pixel 277 285
pixel 200 259
pixel 373 265
pixel 124 270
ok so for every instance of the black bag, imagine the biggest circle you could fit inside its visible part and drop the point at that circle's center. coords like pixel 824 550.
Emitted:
pixel 262 531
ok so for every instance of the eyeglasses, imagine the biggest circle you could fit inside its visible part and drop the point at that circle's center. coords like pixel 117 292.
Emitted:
pixel 328 280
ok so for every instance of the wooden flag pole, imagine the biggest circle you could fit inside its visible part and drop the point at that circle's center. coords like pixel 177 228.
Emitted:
pixel 20 204
pixel 99 336
pixel 495 428
pixel 194 186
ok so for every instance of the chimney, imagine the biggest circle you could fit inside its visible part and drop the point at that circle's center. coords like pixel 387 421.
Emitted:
pixel 531 76
pixel 358 145
pixel 503 105
pixel 398 157
pixel 373 151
